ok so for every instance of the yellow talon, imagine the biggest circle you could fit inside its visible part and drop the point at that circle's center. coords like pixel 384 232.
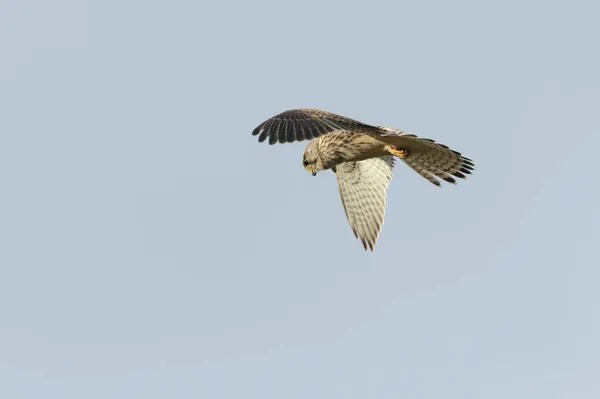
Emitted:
pixel 399 152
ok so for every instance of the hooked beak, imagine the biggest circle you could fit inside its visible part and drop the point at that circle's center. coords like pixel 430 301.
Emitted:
pixel 311 169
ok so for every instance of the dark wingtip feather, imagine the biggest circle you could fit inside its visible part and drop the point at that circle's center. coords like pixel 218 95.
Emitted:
pixel 256 131
pixel 465 170
pixel 263 136
pixel 372 245
pixel 290 136
pixel 449 179
pixel 308 135
pixel 458 174
pixel 272 139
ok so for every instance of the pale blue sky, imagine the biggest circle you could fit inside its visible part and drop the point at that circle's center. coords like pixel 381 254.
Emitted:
pixel 151 248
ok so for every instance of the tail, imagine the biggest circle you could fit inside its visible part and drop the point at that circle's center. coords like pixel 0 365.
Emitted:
pixel 430 159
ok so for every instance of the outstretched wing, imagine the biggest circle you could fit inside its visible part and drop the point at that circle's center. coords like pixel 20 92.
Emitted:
pixel 363 187
pixel 306 124
pixel 430 159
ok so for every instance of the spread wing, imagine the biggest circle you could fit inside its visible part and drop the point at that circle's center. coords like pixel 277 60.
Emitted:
pixel 430 159
pixel 363 187
pixel 306 124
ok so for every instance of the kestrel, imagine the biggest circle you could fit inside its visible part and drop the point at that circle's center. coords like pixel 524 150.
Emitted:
pixel 362 157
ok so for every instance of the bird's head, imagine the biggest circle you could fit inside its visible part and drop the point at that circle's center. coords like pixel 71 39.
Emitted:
pixel 311 159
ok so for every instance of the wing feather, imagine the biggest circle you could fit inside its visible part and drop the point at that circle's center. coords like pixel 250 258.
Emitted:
pixel 306 124
pixel 363 189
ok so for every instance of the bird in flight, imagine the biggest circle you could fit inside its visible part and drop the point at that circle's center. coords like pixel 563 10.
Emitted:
pixel 362 157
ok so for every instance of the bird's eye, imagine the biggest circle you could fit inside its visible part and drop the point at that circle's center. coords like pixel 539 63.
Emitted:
pixel 305 162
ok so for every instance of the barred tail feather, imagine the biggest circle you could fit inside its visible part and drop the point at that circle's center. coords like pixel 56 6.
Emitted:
pixel 432 160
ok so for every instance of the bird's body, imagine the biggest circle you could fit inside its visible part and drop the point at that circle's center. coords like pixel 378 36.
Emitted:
pixel 362 156
pixel 336 148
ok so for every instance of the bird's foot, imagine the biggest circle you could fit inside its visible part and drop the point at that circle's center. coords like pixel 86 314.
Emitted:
pixel 399 152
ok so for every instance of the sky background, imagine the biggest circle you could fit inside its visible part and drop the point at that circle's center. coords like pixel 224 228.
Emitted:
pixel 151 248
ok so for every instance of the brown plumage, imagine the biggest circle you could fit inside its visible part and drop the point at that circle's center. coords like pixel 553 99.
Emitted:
pixel 307 124
pixel 361 156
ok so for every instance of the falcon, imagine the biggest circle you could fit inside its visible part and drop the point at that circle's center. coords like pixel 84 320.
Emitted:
pixel 362 157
